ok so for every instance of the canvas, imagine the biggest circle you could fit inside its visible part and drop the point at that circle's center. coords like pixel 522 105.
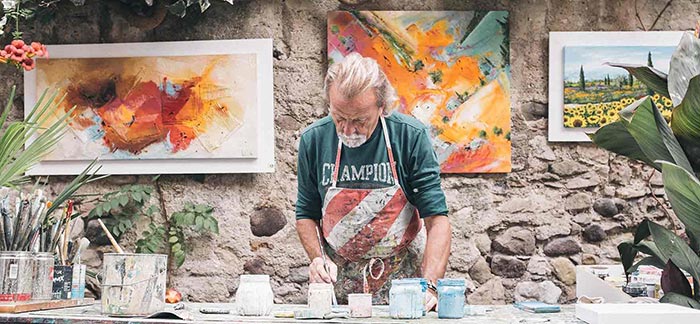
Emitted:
pixel 451 71
pixel 574 111
pixel 594 92
pixel 177 108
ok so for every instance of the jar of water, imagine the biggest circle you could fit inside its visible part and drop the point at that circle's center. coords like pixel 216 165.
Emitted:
pixel 254 296
pixel 406 298
pixel 451 298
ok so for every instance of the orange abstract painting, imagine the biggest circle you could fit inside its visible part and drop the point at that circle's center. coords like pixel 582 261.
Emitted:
pixel 451 70
pixel 155 107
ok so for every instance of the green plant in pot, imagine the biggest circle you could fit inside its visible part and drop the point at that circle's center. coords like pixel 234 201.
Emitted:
pixel 673 148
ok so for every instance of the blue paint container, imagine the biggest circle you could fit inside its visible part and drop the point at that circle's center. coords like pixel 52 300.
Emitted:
pixel 451 298
pixel 406 298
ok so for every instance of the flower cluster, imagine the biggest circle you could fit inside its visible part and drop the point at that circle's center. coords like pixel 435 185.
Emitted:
pixel 22 55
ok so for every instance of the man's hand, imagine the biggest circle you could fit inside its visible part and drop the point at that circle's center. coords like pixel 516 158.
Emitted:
pixel 430 301
pixel 318 273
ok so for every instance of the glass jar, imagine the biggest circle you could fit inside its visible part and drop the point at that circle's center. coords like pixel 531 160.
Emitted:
pixel 43 275
pixel 254 296
pixel 16 272
pixel 360 305
pixel 320 298
pixel 451 298
pixel 406 298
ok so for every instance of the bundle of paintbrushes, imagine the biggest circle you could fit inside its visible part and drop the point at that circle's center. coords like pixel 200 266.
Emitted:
pixel 23 215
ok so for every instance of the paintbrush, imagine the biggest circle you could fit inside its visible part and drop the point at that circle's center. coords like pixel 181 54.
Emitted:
pixel 66 229
pixel 325 264
pixel 110 237
pixel 7 221
pixel 82 246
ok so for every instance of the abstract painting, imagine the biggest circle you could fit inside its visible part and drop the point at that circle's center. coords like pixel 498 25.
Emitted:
pixel 594 92
pixel 585 93
pixel 451 71
pixel 180 106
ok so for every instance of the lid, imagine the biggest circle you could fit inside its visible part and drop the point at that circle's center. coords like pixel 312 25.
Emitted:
pixel 255 278
pixel 451 282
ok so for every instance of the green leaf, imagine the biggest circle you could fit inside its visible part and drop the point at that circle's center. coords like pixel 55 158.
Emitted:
pixel 200 208
pixel 173 239
pixel 176 247
pixel 685 65
pixel 680 253
pixel 627 254
pixel 650 260
pixel 179 8
pixel 179 258
pixel 683 190
pixel 685 122
pixel 189 219
pixel 123 200
pixel 114 204
pixel 651 77
pixel 678 299
pixel 616 138
pixel 137 196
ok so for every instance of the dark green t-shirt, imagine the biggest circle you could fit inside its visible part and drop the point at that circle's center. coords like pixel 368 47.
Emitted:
pixel 367 166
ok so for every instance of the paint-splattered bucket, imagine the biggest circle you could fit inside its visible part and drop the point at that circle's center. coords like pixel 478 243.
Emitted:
pixel 16 271
pixel 133 284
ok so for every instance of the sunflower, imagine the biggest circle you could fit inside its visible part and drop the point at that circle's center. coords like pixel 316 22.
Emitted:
pixel 656 97
pixel 612 113
pixel 593 120
pixel 566 119
pixel 604 121
pixel 668 102
pixel 667 113
pixel 578 121
pixel 660 106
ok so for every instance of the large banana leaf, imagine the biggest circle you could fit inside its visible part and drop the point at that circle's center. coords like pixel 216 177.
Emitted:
pixel 651 77
pixel 648 138
pixel 680 300
pixel 685 64
pixel 680 253
pixel 685 122
pixel 683 190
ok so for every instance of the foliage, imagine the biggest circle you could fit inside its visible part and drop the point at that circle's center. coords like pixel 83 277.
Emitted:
pixel 642 133
pixel 121 209
pixel 192 218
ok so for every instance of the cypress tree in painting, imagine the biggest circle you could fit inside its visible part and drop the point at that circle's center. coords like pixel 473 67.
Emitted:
pixel 650 63
pixel 582 80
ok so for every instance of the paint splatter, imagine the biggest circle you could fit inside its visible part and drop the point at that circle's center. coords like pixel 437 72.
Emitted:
pixel 451 71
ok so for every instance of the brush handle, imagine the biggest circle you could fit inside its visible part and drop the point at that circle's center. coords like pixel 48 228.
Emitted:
pixel 110 237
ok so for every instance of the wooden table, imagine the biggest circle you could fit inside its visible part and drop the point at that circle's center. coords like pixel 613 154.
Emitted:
pixel 506 314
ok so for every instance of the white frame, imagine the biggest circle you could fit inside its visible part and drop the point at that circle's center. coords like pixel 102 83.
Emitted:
pixel 559 40
pixel 265 160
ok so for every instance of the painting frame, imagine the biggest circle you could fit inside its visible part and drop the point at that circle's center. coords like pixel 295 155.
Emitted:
pixel 557 132
pixel 264 160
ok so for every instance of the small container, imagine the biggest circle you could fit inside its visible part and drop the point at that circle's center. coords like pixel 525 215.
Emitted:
pixel 451 298
pixel 360 305
pixel 635 289
pixel 16 274
pixel 320 297
pixel 62 282
pixel 254 296
pixel 43 275
pixel 406 299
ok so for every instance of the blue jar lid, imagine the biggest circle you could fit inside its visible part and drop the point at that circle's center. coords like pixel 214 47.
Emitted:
pixel 405 281
pixel 451 282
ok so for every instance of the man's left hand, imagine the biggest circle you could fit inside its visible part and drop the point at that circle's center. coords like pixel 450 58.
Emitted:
pixel 430 301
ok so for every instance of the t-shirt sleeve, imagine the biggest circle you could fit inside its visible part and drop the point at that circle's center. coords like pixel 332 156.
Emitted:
pixel 423 174
pixel 308 204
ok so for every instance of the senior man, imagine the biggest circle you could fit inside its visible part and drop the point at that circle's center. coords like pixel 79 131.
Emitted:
pixel 369 179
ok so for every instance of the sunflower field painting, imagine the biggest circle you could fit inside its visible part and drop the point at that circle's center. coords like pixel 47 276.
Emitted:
pixel 451 71
pixel 594 92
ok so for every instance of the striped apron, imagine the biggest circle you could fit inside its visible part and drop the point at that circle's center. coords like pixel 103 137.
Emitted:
pixel 361 224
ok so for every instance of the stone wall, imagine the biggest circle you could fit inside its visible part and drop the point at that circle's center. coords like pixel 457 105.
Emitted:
pixel 516 235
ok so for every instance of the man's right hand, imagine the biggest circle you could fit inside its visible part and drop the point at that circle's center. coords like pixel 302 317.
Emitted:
pixel 318 273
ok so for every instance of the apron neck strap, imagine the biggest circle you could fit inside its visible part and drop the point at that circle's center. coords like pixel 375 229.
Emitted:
pixel 392 163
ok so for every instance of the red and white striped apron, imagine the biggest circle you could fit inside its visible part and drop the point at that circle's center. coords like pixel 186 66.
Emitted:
pixel 360 224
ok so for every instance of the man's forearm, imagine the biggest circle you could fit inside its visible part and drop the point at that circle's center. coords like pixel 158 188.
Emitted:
pixel 437 247
pixel 306 228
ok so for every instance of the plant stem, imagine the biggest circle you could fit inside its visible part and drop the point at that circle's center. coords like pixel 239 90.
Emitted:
pixel 164 214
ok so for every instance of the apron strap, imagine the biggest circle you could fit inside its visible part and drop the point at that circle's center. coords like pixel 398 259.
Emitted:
pixel 392 163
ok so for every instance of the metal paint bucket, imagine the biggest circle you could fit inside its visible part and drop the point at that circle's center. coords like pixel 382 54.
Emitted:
pixel 133 284
pixel 16 272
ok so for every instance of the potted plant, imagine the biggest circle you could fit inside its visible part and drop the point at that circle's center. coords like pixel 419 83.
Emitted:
pixel 643 134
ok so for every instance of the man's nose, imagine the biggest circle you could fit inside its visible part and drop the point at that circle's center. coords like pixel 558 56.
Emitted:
pixel 348 129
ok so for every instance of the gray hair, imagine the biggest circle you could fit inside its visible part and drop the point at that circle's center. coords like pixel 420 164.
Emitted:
pixel 356 74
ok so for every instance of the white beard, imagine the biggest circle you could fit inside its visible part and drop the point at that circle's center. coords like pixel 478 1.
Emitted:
pixel 353 140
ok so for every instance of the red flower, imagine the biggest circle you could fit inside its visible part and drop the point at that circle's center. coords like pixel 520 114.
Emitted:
pixel 17 43
pixel 28 64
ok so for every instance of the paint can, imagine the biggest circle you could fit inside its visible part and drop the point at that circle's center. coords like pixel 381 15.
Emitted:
pixel 451 298
pixel 360 305
pixel 16 272
pixel 133 284
pixel 320 298
pixel 43 275
pixel 254 296
pixel 406 298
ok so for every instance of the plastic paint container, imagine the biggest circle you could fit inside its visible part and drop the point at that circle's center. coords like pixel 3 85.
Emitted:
pixel 16 272
pixel 320 297
pixel 360 305
pixel 406 298
pixel 451 298
pixel 254 296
